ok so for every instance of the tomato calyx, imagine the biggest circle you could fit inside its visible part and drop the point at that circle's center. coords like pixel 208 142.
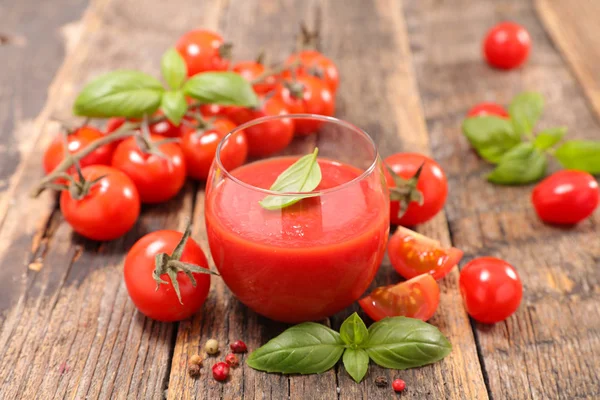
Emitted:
pixel 225 50
pixel 307 39
pixel 296 89
pixel 200 124
pixel 172 265
pixel 405 191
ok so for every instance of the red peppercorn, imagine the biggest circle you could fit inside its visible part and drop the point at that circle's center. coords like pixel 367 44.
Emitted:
pixel 238 347
pixel 232 360
pixel 220 371
pixel 398 385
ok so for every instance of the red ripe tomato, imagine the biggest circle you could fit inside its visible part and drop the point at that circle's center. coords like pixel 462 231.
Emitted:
pixel 506 45
pixel 108 210
pixel 157 178
pixel 307 95
pixel 113 124
pixel 566 197
pixel 251 70
pixel 416 298
pixel 163 128
pixel 199 148
pixel 203 51
pixel 413 254
pixel 482 109
pixel 491 289
pixel 161 303
pixel 269 137
pixel 314 63
pixel 217 110
pixel 76 141
pixel 432 184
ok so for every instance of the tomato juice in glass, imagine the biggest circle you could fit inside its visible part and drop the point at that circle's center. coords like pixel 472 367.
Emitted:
pixel 312 259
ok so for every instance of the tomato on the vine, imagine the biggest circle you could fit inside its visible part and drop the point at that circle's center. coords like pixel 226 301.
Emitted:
pixel 163 128
pixel 506 45
pixel 217 110
pixel 199 146
pixel 307 95
pixel 158 177
pixel 251 70
pixel 487 108
pixel 101 210
pixel 491 289
pixel 413 254
pixel 566 197
pixel 315 63
pixel 158 299
pixel 432 184
pixel 76 141
pixel 114 123
pixel 416 298
pixel 203 50
pixel 269 137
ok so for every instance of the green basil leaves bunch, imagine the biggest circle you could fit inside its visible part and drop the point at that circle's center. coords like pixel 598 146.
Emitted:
pixel 133 94
pixel 520 155
pixel 311 348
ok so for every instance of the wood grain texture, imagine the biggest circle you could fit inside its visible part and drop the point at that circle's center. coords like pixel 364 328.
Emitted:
pixel 573 29
pixel 68 328
pixel 550 348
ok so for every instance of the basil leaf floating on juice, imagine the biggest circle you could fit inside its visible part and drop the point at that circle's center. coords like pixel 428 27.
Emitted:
pixel 402 343
pixel 524 110
pixel 307 348
pixel 119 94
pixel 356 362
pixel 353 331
pixel 302 176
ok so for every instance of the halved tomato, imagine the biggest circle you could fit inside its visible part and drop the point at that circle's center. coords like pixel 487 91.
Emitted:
pixel 416 298
pixel 413 254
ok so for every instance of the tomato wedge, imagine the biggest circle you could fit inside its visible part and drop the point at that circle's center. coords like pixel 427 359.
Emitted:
pixel 413 254
pixel 416 298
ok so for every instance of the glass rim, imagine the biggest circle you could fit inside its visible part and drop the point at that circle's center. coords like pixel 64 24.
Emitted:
pixel 314 193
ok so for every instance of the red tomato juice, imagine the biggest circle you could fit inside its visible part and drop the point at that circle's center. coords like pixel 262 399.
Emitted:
pixel 304 262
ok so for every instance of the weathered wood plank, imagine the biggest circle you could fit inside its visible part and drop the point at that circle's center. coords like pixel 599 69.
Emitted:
pixel 574 29
pixel 549 349
pixel 68 327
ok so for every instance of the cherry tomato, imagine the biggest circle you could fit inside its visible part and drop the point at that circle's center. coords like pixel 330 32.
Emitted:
pixel 202 51
pixel 113 124
pixel 251 70
pixel 491 289
pixel 307 95
pixel 162 303
pixel 157 178
pixel 199 148
pixel 506 45
pixel 416 298
pixel 269 137
pixel 482 109
pixel 566 197
pixel 432 184
pixel 413 254
pixel 217 110
pixel 76 141
pixel 314 63
pixel 163 128
pixel 109 209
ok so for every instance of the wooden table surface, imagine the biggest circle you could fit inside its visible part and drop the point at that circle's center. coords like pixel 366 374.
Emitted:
pixel 409 70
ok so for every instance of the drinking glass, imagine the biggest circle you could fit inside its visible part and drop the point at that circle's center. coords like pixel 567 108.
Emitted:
pixel 312 259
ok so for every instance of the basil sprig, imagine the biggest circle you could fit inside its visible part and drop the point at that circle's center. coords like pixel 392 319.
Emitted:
pixel 520 155
pixel 311 348
pixel 133 94
pixel 302 176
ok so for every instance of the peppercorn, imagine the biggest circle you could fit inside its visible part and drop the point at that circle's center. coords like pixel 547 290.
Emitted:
pixel 220 371
pixel 381 381
pixel 211 346
pixel 238 347
pixel 232 360
pixel 398 385
pixel 196 359
pixel 194 370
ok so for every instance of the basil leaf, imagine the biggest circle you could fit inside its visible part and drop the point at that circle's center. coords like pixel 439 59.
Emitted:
pixel 302 176
pixel 119 94
pixel 549 137
pixel 356 362
pixel 227 88
pixel 582 155
pixel 522 164
pixel 173 68
pixel 353 330
pixel 174 106
pixel 491 136
pixel 524 110
pixel 308 348
pixel 402 343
